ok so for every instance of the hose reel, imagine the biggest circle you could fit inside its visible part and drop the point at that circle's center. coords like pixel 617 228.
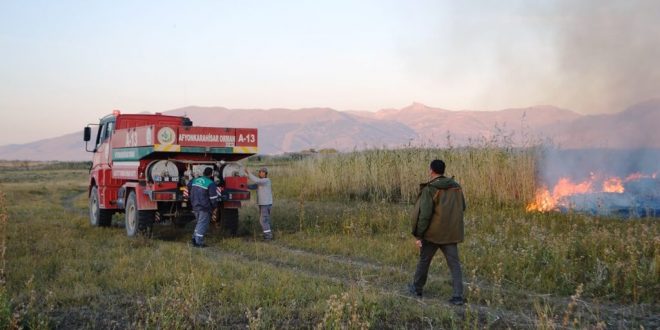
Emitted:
pixel 163 171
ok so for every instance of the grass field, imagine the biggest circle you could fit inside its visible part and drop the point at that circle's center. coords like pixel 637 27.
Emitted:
pixel 341 258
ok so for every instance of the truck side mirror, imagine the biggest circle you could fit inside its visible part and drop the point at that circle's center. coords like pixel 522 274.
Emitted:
pixel 87 133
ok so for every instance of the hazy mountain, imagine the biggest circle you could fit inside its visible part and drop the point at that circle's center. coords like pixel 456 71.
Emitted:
pixel 436 126
pixel 65 147
pixel 285 130
pixel 637 127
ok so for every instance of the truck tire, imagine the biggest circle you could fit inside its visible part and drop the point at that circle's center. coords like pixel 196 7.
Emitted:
pixel 137 222
pixel 229 220
pixel 98 217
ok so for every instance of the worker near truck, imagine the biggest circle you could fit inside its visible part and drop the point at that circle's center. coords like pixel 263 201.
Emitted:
pixel 203 198
pixel 437 223
pixel 264 199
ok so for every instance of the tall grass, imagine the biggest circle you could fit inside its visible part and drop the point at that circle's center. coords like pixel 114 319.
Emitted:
pixel 5 307
pixel 490 176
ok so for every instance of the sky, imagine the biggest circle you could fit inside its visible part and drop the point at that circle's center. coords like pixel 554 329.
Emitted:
pixel 64 64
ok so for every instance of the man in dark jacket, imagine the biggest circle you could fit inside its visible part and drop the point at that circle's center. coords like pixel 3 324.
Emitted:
pixel 203 198
pixel 437 223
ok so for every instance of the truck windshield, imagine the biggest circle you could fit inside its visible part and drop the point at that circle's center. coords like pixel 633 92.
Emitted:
pixel 105 132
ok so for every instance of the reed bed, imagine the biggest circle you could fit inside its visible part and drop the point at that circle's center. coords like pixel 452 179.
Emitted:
pixel 490 176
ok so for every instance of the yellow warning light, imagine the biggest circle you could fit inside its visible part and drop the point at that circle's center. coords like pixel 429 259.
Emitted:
pixel 116 112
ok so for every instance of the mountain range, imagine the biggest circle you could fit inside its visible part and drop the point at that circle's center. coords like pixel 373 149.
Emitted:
pixel 286 130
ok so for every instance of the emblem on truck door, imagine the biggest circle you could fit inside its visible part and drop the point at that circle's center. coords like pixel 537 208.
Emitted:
pixel 166 135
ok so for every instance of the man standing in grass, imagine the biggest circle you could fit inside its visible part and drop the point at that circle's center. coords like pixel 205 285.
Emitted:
pixel 264 199
pixel 438 224
pixel 203 198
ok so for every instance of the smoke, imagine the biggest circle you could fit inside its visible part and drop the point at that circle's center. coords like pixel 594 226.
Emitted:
pixel 580 164
pixel 590 56
pixel 607 53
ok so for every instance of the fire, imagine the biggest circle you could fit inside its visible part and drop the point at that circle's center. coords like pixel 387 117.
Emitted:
pixel 547 200
pixel 543 201
pixel 565 187
pixel 613 185
pixel 638 176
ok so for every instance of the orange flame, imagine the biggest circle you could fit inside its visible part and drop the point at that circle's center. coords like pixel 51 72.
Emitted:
pixel 545 200
pixel 613 185
pixel 638 176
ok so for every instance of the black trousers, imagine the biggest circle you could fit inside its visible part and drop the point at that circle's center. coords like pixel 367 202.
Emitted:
pixel 426 254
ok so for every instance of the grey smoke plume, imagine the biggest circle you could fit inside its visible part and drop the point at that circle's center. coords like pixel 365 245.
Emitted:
pixel 580 164
pixel 608 52
pixel 590 56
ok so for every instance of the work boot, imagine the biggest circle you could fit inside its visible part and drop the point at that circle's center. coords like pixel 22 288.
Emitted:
pixel 413 292
pixel 197 245
pixel 457 301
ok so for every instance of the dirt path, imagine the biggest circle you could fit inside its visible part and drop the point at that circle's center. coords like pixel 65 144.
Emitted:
pixel 67 202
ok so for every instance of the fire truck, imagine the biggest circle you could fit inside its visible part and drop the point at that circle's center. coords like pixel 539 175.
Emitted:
pixel 142 163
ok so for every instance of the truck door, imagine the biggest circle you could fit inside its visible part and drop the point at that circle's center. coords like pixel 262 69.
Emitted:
pixel 103 161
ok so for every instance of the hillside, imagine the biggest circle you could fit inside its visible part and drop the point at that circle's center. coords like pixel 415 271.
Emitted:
pixel 636 127
pixel 69 147
pixel 286 130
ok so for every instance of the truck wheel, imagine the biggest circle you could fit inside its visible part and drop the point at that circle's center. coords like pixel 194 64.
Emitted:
pixel 137 222
pixel 98 217
pixel 229 220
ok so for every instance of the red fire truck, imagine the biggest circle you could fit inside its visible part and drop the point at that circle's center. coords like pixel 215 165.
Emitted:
pixel 143 162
